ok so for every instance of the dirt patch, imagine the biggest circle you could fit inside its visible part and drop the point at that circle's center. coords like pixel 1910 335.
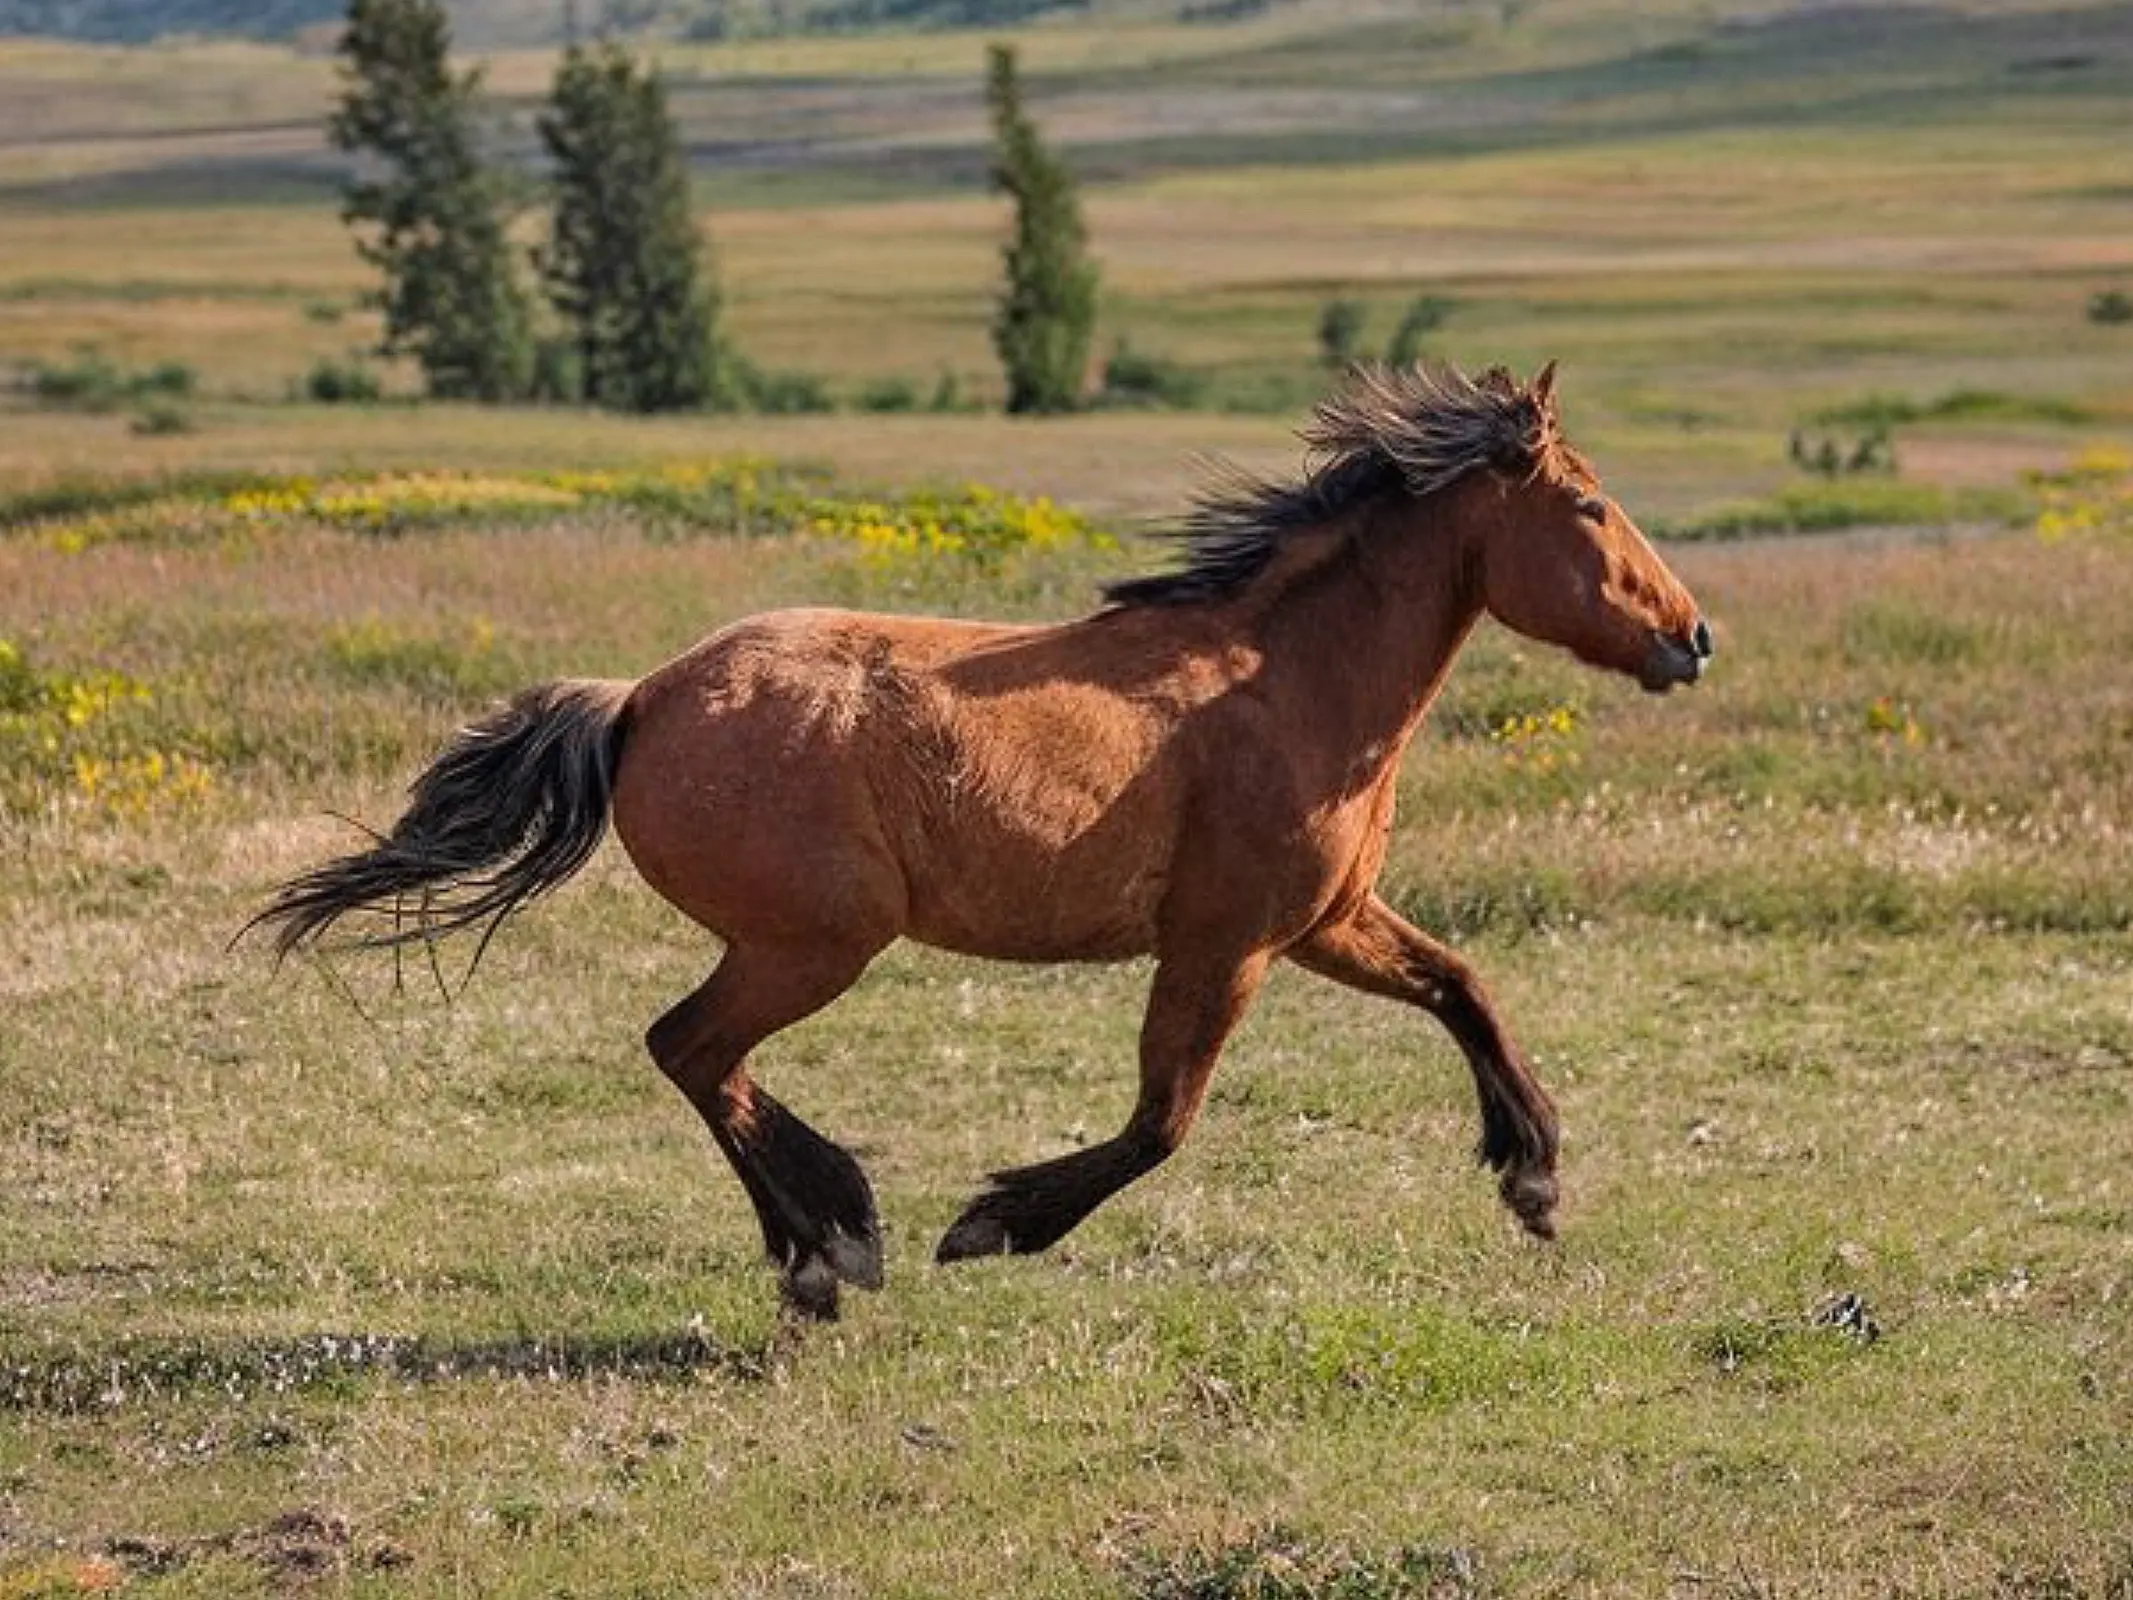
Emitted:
pixel 1973 463
pixel 298 1545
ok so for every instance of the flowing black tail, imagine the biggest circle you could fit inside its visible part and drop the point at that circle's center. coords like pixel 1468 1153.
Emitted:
pixel 515 804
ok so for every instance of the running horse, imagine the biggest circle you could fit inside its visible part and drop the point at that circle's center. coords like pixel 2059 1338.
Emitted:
pixel 1202 771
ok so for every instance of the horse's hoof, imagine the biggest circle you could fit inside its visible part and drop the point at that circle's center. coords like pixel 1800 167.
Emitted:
pixel 1532 1197
pixel 809 1290
pixel 974 1234
pixel 855 1259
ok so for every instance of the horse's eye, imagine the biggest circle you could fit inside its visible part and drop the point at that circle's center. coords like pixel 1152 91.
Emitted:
pixel 1591 505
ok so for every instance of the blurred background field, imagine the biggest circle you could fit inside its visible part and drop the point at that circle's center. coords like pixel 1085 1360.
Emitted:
pixel 319 1277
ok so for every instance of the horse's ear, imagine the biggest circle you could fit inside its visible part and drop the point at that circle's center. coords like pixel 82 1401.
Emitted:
pixel 1543 388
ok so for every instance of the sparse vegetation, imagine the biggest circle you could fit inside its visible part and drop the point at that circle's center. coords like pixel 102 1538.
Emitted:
pixel 1871 453
pixel 1340 333
pixel 1425 315
pixel 93 382
pixel 1851 502
pixel 1138 378
pixel 342 381
pixel 1882 412
pixel 159 419
pixel 1829 962
pixel 887 395
pixel 1904 778
pixel 2110 307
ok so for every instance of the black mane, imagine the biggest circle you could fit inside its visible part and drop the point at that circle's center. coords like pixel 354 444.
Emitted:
pixel 1413 431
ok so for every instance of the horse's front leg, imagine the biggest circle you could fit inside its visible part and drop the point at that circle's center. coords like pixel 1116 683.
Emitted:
pixel 1196 1000
pixel 1379 952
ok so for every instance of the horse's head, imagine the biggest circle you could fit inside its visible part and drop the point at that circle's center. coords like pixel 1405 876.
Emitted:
pixel 1562 563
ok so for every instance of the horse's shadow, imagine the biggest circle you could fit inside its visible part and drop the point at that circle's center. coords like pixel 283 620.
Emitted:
pixel 134 1371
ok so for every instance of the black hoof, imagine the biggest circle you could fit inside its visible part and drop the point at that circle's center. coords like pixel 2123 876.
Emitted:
pixel 976 1233
pixel 1531 1194
pixel 815 1204
pixel 855 1259
pixel 808 1289
pixel 1015 1217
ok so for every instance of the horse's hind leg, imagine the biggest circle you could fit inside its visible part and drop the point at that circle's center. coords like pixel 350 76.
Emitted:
pixel 1191 1009
pixel 816 1209
pixel 1379 952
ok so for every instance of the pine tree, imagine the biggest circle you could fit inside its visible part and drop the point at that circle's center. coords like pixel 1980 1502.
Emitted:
pixel 624 265
pixel 1425 314
pixel 1340 333
pixel 433 219
pixel 1047 313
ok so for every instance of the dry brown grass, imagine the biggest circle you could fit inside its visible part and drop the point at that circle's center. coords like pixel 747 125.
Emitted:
pixel 1828 1009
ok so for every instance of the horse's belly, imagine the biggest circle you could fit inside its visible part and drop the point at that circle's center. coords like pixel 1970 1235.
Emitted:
pixel 1026 918
pixel 1012 887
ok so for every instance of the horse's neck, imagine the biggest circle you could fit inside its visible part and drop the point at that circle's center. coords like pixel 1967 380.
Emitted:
pixel 1362 644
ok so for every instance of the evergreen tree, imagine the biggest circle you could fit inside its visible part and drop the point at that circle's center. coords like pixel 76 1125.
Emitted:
pixel 1425 314
pixel 1047 313
pixel 432 217
pixel 1340 333
pixel 624 265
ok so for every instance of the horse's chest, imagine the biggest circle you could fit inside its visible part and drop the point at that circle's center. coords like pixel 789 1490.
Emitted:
pixel 1343 853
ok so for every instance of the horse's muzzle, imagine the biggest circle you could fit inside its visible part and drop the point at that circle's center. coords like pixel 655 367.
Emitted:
pixel 1676 658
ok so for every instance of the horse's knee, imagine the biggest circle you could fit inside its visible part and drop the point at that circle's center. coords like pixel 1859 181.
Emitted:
pixel 661 1044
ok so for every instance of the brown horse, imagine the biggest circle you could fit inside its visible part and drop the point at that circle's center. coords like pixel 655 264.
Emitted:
pixel 1202 771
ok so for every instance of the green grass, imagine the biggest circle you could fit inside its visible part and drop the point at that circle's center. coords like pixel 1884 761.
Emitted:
pixel 1829 963
pixel 339 1276
pixel 1817 506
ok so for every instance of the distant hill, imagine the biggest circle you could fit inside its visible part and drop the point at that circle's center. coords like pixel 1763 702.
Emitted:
pixel 501 22
pixel 129 21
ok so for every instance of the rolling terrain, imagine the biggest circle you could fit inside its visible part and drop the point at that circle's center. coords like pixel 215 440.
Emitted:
pixel 358 1277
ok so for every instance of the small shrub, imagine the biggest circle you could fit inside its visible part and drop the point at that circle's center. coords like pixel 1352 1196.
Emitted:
pixel 948 397
pixel 90 382
pixel 888 395
pixel 1425 314
pixel 786 393
pixel 93 382
pixel 325 312
pixel 2110 307
pixel 1833 456
pixel 172 379
pixel 348 382
pixel 1340 333
pixel 1135 378
pixel 162 418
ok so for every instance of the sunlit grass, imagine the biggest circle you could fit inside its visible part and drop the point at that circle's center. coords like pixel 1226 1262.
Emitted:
pixel 432 1287
pixel 346 1276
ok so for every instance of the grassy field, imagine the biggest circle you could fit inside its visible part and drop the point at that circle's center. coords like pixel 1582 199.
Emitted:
pixel 1717 225
pixel 1831 964
pixel 327 1277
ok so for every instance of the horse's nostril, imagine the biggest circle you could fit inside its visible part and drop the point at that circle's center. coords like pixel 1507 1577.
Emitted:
pixel 1700 639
